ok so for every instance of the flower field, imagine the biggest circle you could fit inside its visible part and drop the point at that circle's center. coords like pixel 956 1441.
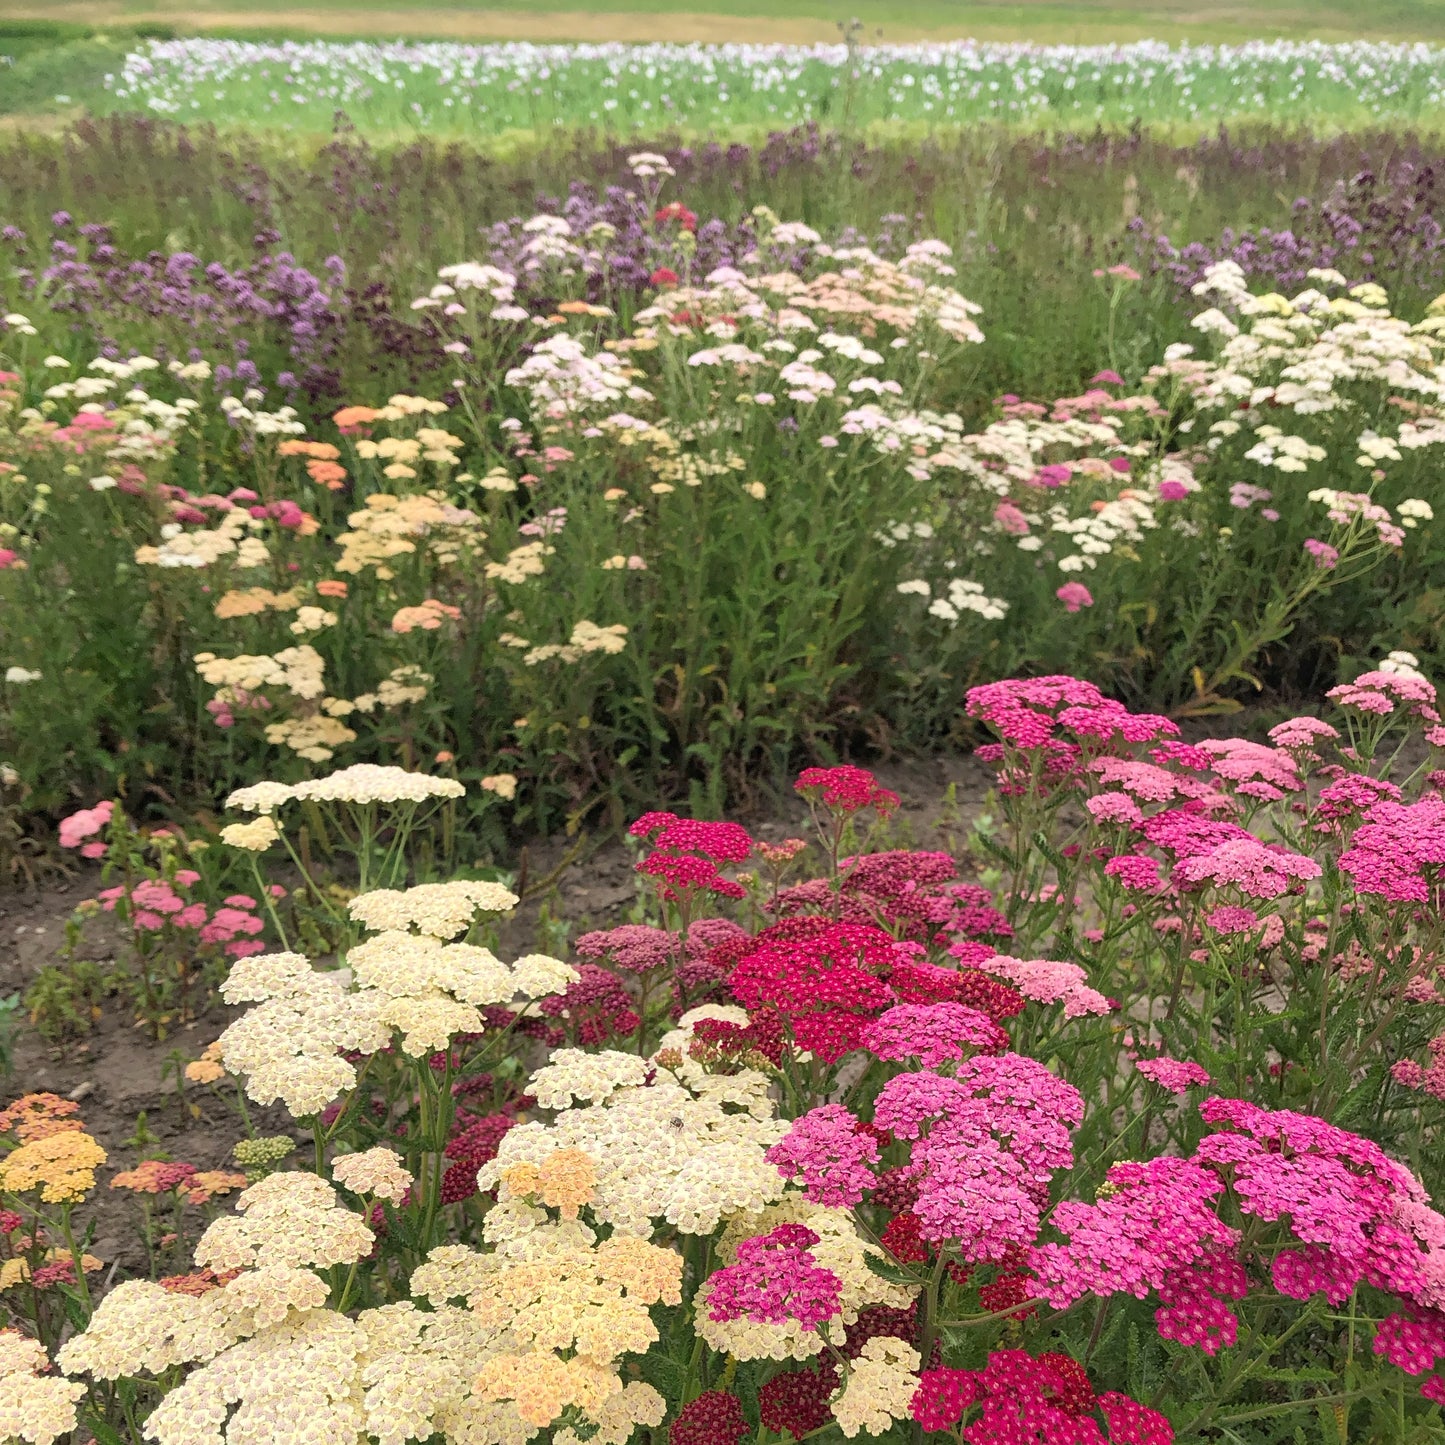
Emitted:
pixel 501 87
pixel 391 531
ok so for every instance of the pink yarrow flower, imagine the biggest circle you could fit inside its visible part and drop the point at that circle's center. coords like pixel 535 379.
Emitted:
pixel 86 824
pixel 1049 981
pixel 1074 595
pixel 932 1033
pixel 1176 1075
pixel 1248 865
pixel 826 1149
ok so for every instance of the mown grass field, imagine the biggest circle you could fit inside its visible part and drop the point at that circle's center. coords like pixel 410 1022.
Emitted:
pixel 780 21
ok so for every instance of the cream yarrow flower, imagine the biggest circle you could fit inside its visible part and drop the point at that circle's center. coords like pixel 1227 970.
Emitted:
pixel 289 1218
pixel 880 1387
pixel 441 910
pixel 376 1173
pixel 254 837
pixel 35 1407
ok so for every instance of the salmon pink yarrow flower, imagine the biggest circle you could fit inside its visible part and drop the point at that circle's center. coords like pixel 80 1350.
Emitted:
pixel 1050 981
pixel 1256 770
pixel 86 824
pixel 1114 808
pixel 1074 595
pixel 1186 832
pixel 1351 796
pixel 1413 1342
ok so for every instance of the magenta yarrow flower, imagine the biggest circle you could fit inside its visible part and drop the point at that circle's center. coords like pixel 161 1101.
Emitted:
pixel 776 1279
pixel 1134 871
pixel 1150 1219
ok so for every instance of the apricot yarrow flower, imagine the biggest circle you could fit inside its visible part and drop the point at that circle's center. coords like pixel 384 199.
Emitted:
pixel 62 1166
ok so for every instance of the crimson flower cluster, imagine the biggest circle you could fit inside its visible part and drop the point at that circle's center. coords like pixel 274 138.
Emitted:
pixel 1020 1397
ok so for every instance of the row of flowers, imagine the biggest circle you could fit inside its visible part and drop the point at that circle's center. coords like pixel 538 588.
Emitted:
pixel 773 441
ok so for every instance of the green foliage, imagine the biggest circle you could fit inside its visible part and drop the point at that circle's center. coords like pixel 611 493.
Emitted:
pixel 63 1001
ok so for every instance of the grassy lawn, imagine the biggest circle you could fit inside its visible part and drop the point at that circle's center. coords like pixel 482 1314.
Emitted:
pixel 772 20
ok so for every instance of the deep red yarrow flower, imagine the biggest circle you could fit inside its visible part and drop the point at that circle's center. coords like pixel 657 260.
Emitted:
pixel 713 1418
pixel 720 1039
pixel 880 1320
pixel 797 1400
pixel 1024 1399
pixel 595 1006
pixel 903 1238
